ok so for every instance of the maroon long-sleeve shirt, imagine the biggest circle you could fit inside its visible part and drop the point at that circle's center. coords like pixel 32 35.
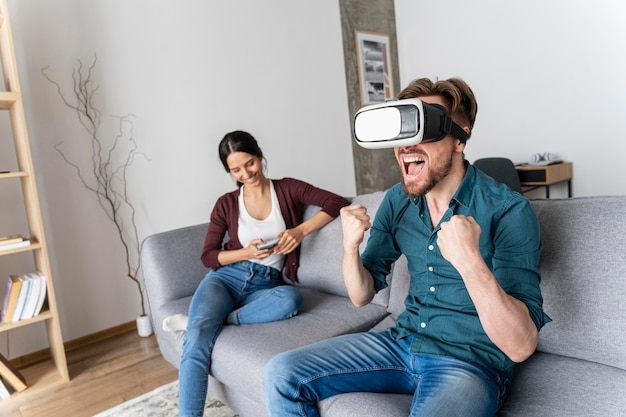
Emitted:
pixel 293 197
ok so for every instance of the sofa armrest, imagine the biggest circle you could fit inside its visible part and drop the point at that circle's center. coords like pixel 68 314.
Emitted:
pixel 171 265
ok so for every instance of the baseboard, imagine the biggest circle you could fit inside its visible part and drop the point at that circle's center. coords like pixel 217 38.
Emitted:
pixel 44 355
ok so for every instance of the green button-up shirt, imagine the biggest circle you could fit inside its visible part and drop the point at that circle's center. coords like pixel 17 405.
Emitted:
pixel 439 311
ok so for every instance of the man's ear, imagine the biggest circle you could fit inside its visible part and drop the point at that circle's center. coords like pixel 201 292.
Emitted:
pixel 459 147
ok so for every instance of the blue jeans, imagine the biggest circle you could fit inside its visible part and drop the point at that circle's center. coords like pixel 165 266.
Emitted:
pixel 240 293
pixel 296 380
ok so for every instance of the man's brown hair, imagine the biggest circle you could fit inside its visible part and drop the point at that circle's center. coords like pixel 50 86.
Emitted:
pixel 458 96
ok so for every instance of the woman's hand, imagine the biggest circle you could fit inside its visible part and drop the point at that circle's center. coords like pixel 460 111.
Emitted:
pixel 289 241
pixel 254 252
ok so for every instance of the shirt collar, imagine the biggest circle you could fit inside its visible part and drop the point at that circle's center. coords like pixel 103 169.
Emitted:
pixel 463 194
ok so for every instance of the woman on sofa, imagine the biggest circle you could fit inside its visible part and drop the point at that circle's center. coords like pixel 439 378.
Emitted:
pixel 245 284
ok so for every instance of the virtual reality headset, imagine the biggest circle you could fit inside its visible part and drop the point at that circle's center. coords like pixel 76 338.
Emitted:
pixel 403 123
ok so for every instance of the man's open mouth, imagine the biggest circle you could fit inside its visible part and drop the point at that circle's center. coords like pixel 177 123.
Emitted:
pixel 412 164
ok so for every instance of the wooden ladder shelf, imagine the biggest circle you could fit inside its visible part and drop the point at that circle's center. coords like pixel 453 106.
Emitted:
pixel 11 101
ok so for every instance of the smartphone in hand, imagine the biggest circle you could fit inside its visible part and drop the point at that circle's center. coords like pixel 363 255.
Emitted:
pixel 268 244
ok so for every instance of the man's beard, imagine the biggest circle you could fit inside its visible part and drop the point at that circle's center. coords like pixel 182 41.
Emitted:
pixel 435 176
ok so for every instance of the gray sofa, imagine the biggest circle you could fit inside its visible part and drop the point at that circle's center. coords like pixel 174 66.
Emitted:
pixel 579 368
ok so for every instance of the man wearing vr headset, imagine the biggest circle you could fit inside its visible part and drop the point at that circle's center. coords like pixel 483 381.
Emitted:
pixel 474 306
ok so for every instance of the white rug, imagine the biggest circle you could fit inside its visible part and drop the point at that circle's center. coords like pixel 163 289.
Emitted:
pixel 163 402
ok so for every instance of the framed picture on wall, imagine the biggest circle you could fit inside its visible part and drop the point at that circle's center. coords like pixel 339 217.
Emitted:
pixel 374 61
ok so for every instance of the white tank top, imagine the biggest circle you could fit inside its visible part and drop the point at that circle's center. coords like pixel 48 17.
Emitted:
pixel 251 228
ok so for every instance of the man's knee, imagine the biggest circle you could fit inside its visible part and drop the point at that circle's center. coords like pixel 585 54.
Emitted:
pixel 277 370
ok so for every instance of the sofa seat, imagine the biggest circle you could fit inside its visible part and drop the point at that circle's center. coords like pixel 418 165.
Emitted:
pixel 560 386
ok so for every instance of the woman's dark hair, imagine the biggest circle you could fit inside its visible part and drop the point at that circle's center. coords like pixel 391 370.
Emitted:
pixel 238 141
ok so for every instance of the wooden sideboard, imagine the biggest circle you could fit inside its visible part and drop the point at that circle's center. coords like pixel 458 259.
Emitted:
pixel 535 176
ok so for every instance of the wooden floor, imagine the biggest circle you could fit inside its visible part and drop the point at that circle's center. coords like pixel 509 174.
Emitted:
pixel 102 375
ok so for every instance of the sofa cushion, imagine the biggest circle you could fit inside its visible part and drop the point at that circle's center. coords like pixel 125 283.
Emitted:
pixel 368 404
pixel 322 253
pixel 584 278
pixel 558 386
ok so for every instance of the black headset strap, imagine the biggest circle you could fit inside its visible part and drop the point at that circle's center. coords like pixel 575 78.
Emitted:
pixel 446 124
pixel 456 130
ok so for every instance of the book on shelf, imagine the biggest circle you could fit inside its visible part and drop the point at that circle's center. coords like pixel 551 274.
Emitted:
pixel 19 244
pixel 41 296
pixel 11 239
pixel 14 286
pixel 24 298
pixel 21 298
pixel 32 297
pixel 4 391
pixel 12 375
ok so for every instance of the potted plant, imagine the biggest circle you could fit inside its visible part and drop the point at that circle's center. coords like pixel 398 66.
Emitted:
pixel 110 159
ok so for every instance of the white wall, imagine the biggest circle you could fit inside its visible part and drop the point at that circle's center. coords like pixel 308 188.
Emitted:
pixel 189 72
pixel 548 76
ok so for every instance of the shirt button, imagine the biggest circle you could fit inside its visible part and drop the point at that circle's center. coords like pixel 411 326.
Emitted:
pixel 431 269
pixel 422 325
pixel 431 247
pixel 432 289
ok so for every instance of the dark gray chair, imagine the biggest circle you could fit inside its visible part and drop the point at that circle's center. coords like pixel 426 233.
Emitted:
pixel 500 169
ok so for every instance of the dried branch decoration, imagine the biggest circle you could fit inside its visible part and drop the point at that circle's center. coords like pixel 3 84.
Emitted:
pixel 110 160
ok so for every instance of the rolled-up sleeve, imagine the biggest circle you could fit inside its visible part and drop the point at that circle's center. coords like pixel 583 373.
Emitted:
pixel 515 261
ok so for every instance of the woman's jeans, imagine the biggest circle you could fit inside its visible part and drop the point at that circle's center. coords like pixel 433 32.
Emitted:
pixel 240 293
pixel 296 380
